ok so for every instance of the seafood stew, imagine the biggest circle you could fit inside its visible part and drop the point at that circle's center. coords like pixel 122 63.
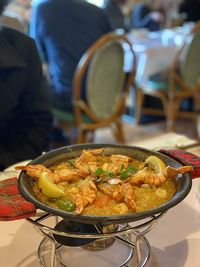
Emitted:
pixel 104 182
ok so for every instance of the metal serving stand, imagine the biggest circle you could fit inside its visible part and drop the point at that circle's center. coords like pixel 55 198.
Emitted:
pixel 59 237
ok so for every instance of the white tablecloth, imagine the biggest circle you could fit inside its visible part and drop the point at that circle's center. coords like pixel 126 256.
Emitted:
pixel 175 241
pixel 155 51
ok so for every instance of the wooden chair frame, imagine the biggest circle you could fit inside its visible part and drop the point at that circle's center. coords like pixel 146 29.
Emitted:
pixel 171 99
pixel 81 107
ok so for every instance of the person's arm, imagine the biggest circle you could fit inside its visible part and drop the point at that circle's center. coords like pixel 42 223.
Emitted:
pixel 115 16
pixel 141 16
pixel 27 133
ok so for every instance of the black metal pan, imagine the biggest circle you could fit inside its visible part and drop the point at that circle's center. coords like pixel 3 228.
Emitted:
pixel 51 158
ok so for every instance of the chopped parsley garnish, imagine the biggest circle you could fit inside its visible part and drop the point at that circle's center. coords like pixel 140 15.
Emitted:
pixel 122 168
pixel 131 169
pixel 110 175
pixel 71 162
pixel 125 173
pixel 100 172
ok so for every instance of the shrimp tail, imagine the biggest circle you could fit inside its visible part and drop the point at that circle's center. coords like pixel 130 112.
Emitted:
pixel 21 168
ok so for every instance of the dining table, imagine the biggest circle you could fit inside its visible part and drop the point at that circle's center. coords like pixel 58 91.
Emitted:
pixel 154 51
pixel 174 240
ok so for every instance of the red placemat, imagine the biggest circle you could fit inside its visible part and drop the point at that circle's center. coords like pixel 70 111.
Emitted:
pixel 186 158
pixel 12 204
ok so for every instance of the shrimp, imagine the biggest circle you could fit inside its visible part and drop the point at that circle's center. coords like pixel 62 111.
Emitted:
pixel 88 190
pixel 114 191
pixel 146 176
pixel 87 193
pixel 120 192
pixel 87 161
pixel 116 162
pixel 172 172
pixel 101 200
pixel 78 199
pixel 34 170
pixel 56 176
pixel 129 195
pixel 69 175
pixel 122 159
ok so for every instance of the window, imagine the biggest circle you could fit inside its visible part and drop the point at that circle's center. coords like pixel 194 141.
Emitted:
pixel 96 2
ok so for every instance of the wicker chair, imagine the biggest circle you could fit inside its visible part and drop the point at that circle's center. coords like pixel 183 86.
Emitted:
pixel 180 82
pixel 107 89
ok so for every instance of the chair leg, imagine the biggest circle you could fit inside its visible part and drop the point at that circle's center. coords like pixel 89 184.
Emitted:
pixel 172 113
pixel 72 136
pixel 197 101
pixel 139 104
pixel 89 136
pixel 118 132
pixel 85 136
pixel 80 136
pixel 164 101
pixel 167 113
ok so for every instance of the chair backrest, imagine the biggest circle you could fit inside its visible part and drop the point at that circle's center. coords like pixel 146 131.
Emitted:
pixel 107 84
pixel 188 57
pixel 191 68
pixel 105 81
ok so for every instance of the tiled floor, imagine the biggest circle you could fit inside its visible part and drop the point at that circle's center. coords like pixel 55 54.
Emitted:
pixel 137 133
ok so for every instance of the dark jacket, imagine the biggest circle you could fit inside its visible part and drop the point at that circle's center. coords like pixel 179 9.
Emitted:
pixel 25 116
pixel 63 31
pixel 191 8
pixel 115 15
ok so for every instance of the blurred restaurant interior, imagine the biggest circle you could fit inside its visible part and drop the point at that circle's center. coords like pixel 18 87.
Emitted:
pixel 155 49
pixel 116 72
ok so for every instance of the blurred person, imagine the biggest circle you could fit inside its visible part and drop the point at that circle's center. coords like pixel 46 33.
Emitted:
pixel 25 112
pixel 114 9
pixel 21 10
pixel 191 8
pixel 148 14
pixel 63 31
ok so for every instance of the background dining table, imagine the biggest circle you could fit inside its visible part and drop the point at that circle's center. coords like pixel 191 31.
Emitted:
pixel 155 51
